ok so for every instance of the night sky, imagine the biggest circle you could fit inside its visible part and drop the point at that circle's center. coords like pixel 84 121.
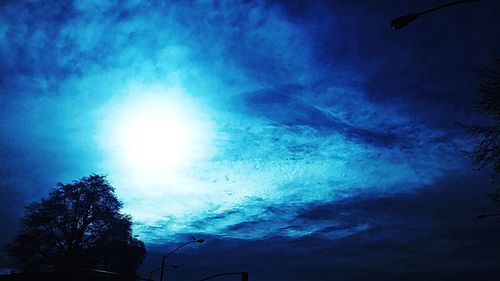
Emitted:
pixel 303 140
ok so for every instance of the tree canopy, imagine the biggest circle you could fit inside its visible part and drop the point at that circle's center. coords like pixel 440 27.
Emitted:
pixel 486 152
pixel 78 226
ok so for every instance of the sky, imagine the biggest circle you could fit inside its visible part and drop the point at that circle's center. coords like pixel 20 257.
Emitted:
pixel 303 140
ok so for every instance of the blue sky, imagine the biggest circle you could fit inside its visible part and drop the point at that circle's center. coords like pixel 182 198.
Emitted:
pixel 255 123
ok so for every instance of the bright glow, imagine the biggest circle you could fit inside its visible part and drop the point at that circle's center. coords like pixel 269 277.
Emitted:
pixel 152 135
pixel 157 138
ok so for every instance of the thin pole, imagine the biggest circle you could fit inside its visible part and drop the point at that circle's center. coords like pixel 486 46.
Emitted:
pixel 244 275
pixel 125 276
pixel 404 20
pixel 162 267
pixel 162 272
pixel 446 5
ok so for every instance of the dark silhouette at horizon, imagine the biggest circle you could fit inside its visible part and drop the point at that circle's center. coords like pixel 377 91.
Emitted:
pixel 78 226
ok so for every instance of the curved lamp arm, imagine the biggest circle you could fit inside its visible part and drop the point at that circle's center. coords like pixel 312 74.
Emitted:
pixel 175 250
pixel 403 21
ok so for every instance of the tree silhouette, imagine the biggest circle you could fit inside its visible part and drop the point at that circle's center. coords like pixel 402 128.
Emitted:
pixel 486 152
pixel 78 226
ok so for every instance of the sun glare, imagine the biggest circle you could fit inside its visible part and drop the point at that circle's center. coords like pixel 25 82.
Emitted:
pixel 158 139
pixel 156 134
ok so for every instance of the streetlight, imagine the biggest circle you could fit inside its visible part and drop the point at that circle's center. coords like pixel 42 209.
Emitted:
pixel 175 250
pixel 403 21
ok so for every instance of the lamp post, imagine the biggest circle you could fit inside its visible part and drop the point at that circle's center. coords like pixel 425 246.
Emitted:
pixel 403 21
pixel 175 250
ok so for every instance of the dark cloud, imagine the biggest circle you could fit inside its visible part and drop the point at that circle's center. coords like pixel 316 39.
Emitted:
pixel 428 68
pixel 242 225
pixel 319 213
pixel 431 234
pixel 289 105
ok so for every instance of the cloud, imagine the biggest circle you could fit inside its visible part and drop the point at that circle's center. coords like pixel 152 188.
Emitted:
pixel 297 105
pixel 429 233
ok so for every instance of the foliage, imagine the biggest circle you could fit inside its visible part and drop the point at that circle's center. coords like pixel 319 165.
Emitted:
pixel 78 226
pixel 495 196
pixel 486 152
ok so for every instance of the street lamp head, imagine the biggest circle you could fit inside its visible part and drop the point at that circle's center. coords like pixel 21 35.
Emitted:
pixel 403 21
pixel 197 240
